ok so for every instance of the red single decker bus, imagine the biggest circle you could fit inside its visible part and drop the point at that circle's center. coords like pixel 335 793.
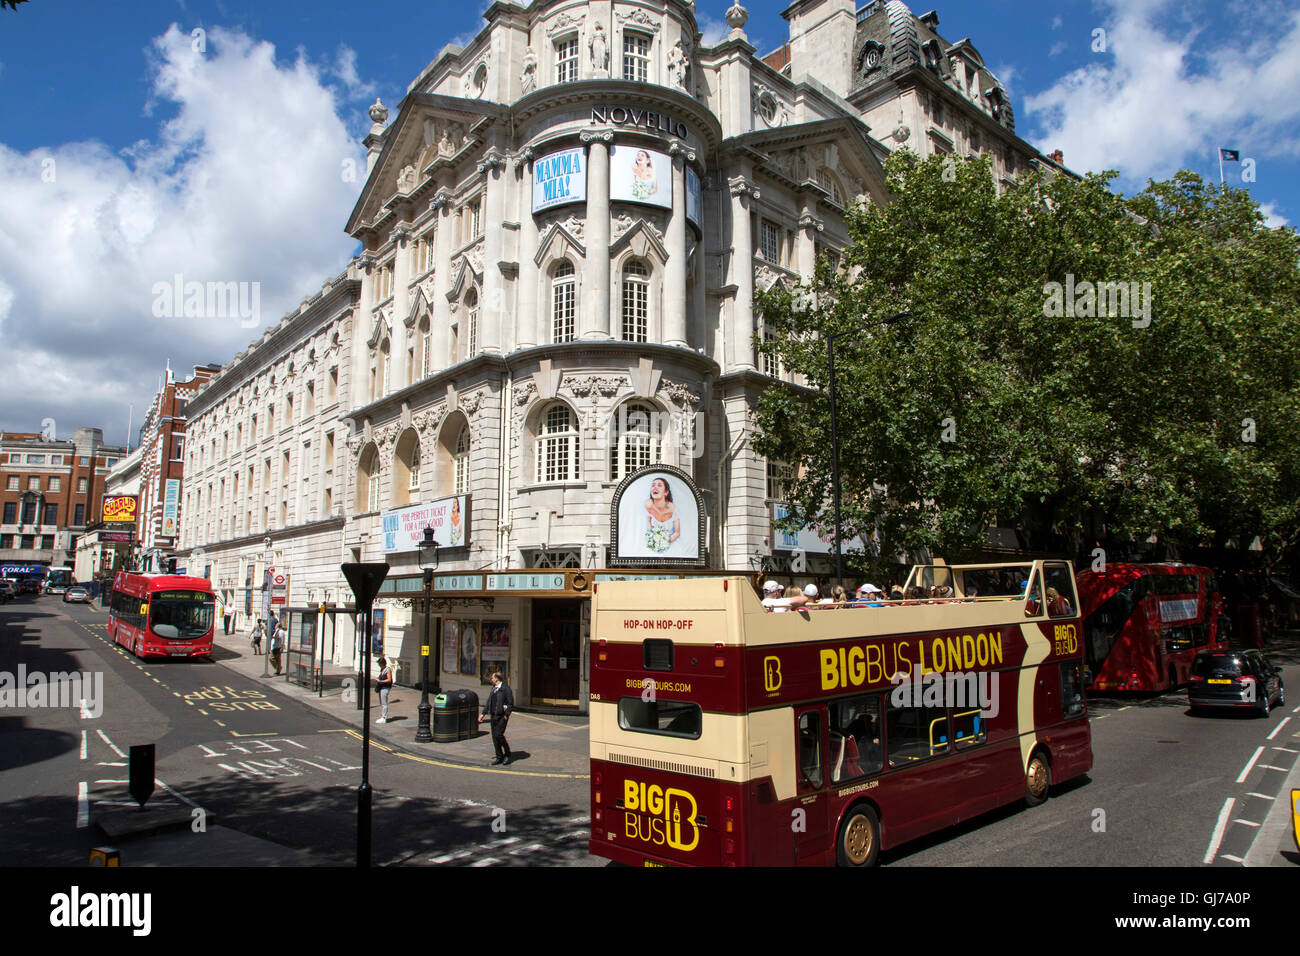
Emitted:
pixel 724 734
pixel 162 615
pixel 1144 623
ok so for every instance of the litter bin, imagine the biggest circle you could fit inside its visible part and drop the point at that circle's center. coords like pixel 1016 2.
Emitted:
pixel 455 716
pixel 446 719
pixel 468 713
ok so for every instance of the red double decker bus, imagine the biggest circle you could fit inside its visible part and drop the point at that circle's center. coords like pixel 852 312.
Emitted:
pixel 1144 623
pixel 726 735
pixel 162 615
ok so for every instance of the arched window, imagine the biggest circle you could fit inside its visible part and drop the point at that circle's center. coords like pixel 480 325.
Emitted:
pixel 414 483
pixel 471 325
pixel 460 463
pixel 367 490
pixel 564 296
pixel 636 440
pixel 557 446
pixel 636 301
pixel 827 182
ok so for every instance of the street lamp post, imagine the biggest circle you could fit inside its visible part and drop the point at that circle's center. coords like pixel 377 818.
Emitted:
pixel 835 437
pixel 267 545
pixel 428 561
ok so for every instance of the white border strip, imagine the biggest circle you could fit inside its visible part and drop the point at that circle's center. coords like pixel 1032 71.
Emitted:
pixel 1242 776
pixel 1219 827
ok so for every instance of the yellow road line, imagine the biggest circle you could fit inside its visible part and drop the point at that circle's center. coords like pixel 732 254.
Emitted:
pixel 269 733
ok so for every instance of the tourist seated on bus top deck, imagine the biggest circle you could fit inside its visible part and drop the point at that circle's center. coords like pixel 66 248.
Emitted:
pixel 838 597
pixel 940 592
pixel 896 593
pixel 869 596
pixel 1057 606
pixel 774 601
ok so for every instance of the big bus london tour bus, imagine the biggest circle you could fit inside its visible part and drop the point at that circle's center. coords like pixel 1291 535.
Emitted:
pixel 726 734
pixel 1144 623
pixel 162 615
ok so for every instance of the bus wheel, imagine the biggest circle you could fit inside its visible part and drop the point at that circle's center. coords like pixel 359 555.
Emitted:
pixel 1173 678
pixel 1038 779
pixel 860 838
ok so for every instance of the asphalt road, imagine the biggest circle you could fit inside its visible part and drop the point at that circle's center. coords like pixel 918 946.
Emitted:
pixel 1155 796
pixel 255 760
pixel 1166 789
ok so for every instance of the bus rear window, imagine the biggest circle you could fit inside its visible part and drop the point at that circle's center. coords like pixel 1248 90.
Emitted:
pixel 673 718
pixel 657 654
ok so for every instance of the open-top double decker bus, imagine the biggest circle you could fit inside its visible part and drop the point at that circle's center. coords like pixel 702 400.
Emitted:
pixel 724 734
pixel 162 615
pixel 1143 624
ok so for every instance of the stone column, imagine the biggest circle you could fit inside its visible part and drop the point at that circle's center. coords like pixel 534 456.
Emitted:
pixel 595 295
pixel 440 320
pixel 492 166
pixel 806 245
pixel 674 289
pixel 360 384
pixel 741 344
pixel 401 372
pixel 527 320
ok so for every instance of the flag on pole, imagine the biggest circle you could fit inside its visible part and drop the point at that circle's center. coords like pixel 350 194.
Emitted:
pixel 1230 155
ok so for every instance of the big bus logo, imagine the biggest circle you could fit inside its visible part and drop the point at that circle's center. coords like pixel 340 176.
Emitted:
pixel 771 674
pixel 670 816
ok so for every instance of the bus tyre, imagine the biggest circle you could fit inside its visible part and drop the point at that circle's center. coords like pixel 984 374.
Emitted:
pixel 1038 779
pixel 859 842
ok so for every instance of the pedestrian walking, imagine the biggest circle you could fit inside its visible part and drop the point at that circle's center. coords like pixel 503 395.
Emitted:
pixel 383 684
pixel 499 704
pixel 228 617
pixel 255 635
pixel 278 638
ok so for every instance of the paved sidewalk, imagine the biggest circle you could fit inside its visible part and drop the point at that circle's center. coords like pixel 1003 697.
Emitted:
pixel 541 744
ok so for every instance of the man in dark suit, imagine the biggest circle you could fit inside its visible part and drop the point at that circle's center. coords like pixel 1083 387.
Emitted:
pixel 499 704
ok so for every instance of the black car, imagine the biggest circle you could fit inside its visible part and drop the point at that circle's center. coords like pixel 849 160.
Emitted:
pixel 1236 679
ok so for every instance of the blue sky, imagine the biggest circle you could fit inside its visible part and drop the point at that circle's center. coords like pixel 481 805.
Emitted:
pixel 127 156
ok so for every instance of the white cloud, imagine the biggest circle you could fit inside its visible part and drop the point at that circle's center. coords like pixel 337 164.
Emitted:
pixel 242 184
pixel 1006 74
pixel 1057 48
pixel 1056 23
pixel 1272 218
pixel 712 31
pixel 1169 91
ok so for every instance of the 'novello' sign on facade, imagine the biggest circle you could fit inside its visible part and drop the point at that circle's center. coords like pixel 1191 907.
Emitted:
pixel 634 116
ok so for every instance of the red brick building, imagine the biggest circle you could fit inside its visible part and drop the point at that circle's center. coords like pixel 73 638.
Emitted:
pixel 49 491
pixel 162 471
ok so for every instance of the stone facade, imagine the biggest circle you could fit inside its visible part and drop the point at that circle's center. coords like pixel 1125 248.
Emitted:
pixel 566 220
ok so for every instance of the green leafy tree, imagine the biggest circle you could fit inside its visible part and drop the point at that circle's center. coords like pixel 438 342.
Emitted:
pixel 996 401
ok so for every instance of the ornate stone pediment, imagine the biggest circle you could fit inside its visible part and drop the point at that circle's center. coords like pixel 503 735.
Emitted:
pixel 640 235
pixel 585 385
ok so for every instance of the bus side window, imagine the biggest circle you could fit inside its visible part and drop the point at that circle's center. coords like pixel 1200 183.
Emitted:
pixel 856 722
pixel 810 749
pixel 915 733
pixel 1072 702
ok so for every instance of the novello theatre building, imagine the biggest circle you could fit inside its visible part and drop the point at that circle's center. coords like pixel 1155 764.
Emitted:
pixel 552 360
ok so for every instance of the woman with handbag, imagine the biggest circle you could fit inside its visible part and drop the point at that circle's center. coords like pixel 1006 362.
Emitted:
pixel 384 684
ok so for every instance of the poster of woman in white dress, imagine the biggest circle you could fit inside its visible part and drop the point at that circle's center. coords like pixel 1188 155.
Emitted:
pixel 657 518
pixel 640 175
